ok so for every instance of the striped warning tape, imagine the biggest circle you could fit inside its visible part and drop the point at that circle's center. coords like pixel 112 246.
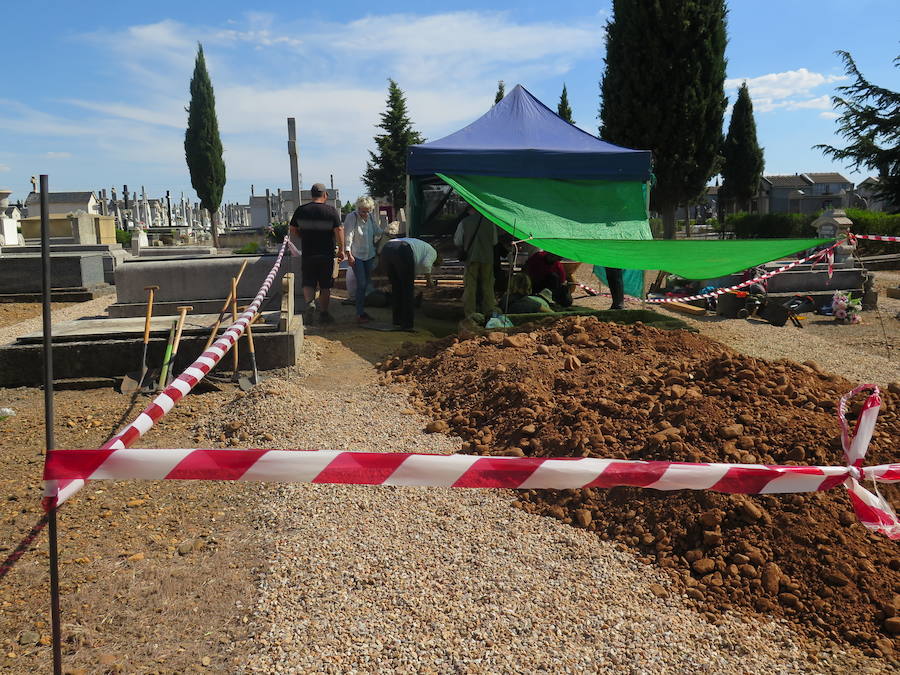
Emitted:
pixel 56 491
pixel 473 471
pixel 875 237
pixel 815 257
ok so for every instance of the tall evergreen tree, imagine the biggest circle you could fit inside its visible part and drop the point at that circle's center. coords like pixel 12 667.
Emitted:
pixel 501 92
pixel 663 90
pixel 386 171
pixel 202 145
pixel 870 121
pixel 744 162
pixel 564 110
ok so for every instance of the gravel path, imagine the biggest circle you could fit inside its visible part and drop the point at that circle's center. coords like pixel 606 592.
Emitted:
pixel 79 310
pixel 416 580
pixel 844 354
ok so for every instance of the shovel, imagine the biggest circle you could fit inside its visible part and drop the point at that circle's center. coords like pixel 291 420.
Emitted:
pixel 134 381
pixel 243 382
pixel 235 376
pixel 182 311
pixel 225 307
pixel 167 359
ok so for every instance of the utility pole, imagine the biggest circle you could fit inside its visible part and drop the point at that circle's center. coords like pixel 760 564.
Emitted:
pixel 295 160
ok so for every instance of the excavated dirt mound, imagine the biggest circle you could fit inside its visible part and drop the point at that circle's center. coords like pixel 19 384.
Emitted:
pixel 582 388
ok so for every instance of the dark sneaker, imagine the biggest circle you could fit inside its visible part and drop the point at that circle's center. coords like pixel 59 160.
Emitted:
pixel 309 316
pixel 365 318
pixel 325 318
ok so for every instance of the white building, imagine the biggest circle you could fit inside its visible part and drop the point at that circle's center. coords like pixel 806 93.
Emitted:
pixel 62 203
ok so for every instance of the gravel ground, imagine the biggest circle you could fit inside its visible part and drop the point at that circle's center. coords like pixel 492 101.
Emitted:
pixel 364 579
pixel 841 353
pixel 78 310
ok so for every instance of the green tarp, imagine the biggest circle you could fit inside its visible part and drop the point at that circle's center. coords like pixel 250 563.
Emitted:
pixel 687 258
pixel 605 223
pixel 558 209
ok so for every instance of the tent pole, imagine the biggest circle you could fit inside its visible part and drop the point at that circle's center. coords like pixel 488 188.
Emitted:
pixel 643 289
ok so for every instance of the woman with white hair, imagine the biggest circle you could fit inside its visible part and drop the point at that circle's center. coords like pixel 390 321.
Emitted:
pixel 361 232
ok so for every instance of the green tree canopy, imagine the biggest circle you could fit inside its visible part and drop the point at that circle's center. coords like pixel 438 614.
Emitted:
pixel 663 90
pixel 386 170
pixel 744 162
pixel 501 92
pixel 202 144
pixel 564 110
pixel 870 122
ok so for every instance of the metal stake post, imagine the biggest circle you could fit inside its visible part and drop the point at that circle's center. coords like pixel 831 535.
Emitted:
pixel 48 424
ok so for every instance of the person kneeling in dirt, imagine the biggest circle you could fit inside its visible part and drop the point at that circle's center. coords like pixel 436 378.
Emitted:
pixel 521 300
pixel 402 260
pixel 546 270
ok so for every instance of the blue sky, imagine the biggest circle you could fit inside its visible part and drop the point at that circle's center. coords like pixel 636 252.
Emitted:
pixel 95 92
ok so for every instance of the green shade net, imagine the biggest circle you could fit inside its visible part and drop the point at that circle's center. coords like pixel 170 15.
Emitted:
pixel 558 209
pixel 604 223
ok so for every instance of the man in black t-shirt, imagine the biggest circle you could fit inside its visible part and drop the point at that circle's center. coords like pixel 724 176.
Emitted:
pixel 317 224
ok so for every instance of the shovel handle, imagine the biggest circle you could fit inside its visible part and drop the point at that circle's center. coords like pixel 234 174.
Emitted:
pixel 151 290
pixel 182 311
pixel 225 306
pixel 250 330
pixel 166 359
pixel 234 316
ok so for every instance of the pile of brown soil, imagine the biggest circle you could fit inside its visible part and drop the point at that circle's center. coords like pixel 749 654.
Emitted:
pixel 584 388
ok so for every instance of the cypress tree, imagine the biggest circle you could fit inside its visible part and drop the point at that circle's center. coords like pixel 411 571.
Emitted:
pixel 202 145
pixel 870 122
pixel 386 171
pixel 501 92
pixel 743 157
pixel 663 90
pixel 564 110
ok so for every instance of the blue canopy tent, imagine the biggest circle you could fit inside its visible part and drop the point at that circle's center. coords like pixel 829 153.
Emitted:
pixel 531 172
pixel 542 179
pixel 520 137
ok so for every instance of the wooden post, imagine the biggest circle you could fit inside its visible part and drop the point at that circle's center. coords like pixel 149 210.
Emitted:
pixel 287 303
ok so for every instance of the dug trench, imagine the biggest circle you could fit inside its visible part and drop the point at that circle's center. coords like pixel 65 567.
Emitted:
pixel 583 388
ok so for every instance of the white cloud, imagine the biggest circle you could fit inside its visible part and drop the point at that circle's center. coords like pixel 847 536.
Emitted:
pixel 790 90
pixel 4 168
pixel 829 115
pixel 57 155
pixel 819 103
pixel 168 113
pixel 332 77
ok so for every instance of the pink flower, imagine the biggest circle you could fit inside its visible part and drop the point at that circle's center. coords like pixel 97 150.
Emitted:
pixel 840 314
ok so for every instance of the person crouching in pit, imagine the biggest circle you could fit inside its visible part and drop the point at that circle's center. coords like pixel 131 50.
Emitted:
pixel 402 260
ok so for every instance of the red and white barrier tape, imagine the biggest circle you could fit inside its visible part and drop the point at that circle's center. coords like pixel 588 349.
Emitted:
pixel 827 253
pixel 594 291
pixel 412 469
pixel 875 237
pixel 56 491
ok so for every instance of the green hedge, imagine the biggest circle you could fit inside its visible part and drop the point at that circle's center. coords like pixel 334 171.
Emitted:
pixel 771 225
pixel 874 222
pixel 123 237
pixel 793 225
pixel 251 248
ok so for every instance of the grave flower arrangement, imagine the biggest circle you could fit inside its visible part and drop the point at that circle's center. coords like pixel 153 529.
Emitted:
pixel 846 309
